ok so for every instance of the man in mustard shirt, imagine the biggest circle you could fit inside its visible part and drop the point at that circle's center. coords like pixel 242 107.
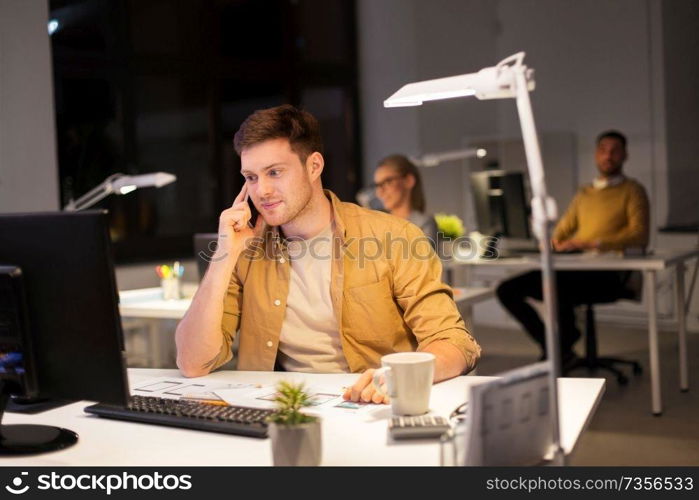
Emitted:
pixel 611 214
pixel 317 285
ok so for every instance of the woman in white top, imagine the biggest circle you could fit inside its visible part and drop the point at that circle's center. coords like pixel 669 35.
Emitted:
pixel 399 187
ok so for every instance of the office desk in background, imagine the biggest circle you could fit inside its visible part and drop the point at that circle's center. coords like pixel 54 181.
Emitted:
pixel 347 440
pixel 148 309
pixel 148 306
pixel 149 303
pixel 650 264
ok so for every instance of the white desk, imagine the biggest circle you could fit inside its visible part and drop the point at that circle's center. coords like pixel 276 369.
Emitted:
pixel 148 305
pixel 473 294
pixel 649 265
pixel 149 302
pixel 347 440
pixel 149 308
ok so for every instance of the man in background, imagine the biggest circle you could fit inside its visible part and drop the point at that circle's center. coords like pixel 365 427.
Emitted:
pixel 610 214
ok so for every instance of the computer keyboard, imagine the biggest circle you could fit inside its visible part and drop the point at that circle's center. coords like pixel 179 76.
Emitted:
pixel 513 253
pixel 532 252
pixel 189 414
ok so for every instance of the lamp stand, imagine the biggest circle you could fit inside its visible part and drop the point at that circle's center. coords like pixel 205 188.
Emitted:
pixel 96 194
pixel 543 215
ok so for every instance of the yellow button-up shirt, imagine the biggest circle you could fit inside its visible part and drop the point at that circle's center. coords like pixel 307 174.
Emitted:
pixel 385 287
pixel 616 216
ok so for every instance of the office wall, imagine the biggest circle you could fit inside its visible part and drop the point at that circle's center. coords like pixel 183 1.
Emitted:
pixel 593 71
pixel 387 54
pixel 680 36
pixel 599 65
pixel 682 118
pixel 406 40
pixel 28 169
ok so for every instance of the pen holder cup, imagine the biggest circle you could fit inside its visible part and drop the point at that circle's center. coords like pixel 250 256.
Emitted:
pixel 172 288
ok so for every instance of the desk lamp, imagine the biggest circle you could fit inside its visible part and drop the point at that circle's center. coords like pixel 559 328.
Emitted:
pixel 367 197
pixel 119 184
pixel 434 159
pixel 511 79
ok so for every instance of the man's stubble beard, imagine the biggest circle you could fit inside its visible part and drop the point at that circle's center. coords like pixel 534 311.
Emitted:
pixel 617 170
pixel 302 209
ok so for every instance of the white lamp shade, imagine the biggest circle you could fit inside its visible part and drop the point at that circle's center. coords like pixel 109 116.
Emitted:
pixel 129 182
pixel 496 82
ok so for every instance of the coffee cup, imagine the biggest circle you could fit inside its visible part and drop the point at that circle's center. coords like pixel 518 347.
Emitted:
pixel 408 377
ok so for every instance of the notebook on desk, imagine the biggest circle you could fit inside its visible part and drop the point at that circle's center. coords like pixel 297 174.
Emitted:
pixel 510 422
pixel 514 253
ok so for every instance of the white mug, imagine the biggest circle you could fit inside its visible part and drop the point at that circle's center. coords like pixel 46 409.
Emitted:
pixel 409 380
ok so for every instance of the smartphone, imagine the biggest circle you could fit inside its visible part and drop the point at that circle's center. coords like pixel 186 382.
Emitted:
pixel 254 214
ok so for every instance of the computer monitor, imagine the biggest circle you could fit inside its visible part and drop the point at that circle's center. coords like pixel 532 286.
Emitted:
pixel 17 371
pixel 501 204
pixel 60 329
pixel 204 250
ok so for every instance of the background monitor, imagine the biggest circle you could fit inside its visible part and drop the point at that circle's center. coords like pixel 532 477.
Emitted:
pixel 59 265
pixel 204 249
pixel 501 205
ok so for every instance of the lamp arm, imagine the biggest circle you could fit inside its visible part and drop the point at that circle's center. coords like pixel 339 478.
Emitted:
pixel 437 158
pixel 516 60
pixel 96 194
pixel 543 215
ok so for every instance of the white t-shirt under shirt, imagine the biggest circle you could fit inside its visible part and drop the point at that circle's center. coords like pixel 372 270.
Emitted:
pixel 309 339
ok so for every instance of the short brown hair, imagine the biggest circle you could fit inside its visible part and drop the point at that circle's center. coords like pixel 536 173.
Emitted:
pixel 281 122
pixel 612 134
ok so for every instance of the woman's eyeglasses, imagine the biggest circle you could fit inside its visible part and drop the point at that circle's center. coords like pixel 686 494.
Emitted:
pixel 386 182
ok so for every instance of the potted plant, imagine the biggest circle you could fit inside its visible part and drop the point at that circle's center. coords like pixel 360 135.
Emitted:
pixel 296 438
pixel 449 228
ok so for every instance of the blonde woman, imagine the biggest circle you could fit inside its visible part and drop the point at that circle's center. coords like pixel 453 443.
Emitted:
pixel 399 187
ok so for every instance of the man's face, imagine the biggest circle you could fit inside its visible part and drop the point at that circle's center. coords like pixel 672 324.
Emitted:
pixel 610 156
pixel 278 183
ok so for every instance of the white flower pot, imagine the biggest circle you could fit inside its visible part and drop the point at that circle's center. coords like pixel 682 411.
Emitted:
pixel 296 445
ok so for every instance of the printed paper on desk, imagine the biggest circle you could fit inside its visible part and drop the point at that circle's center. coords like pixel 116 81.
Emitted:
pixel 175 387
pixel 323 400
pixel 251 396
pixel 263 397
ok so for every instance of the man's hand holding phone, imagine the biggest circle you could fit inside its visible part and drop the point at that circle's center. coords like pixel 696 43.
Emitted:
pixel 235 227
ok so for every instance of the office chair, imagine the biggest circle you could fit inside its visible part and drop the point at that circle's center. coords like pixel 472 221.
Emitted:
pixel 591 360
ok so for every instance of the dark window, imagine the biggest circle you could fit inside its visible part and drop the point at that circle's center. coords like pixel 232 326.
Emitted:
pixel 162 85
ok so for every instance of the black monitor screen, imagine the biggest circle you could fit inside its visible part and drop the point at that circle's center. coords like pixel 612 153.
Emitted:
pixel 501 204
pixel 11 360
pixel 71 304
pixel 17 370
